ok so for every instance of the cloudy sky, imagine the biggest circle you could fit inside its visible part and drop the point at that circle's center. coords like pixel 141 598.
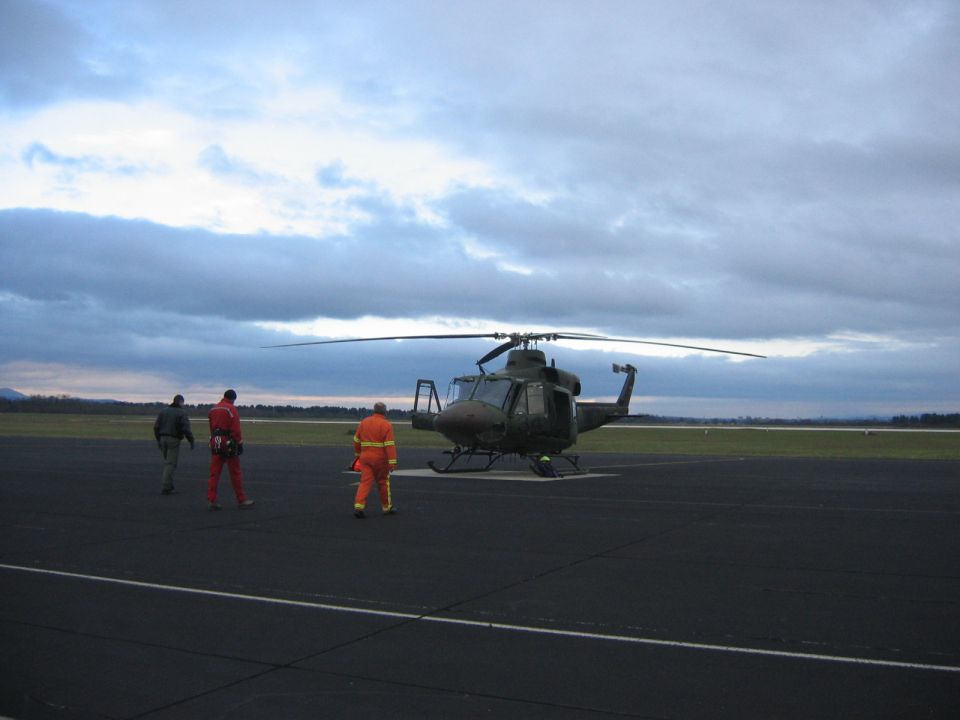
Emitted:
pixel 182 183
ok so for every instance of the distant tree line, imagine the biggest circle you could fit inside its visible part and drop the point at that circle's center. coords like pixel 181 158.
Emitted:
pixel 70 405
pixel 925 420
pixel 66 404
pixel 949 420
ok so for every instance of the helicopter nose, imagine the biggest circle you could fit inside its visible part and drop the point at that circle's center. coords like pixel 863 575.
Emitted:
pixel 470 423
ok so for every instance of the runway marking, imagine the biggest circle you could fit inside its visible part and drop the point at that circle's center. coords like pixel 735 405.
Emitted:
pixel 699 461
pixel 529 629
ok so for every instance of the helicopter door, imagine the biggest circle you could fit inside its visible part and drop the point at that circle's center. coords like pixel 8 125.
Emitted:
pixel 549 411
pixel 426 395
pixel 563 422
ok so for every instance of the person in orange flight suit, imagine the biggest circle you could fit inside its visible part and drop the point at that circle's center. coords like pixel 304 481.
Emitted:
pixel 226 446
pixel 376 452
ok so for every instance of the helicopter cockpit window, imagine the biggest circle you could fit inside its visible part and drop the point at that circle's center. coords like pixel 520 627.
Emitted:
pixel 460 389
pixel 534 399
pixel 493 392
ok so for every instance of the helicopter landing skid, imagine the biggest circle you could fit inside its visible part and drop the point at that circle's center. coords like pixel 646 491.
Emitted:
pixel 492 456
pixel 455 454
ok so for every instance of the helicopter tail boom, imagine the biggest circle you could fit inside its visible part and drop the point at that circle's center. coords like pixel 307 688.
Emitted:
pixel 591 415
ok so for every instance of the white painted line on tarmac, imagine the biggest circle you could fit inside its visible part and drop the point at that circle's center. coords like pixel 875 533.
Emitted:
pixel 696 461
pixel 574 634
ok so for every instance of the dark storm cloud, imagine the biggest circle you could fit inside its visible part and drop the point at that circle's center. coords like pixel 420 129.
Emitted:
pixel 134 264
pixel 803 276
pixel 124 264
pixel 639 290
pixel 206 349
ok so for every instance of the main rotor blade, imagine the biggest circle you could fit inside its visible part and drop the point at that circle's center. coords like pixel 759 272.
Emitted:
pixel 515 340
pixel 495 336
pixel 598 338
pixel 497 351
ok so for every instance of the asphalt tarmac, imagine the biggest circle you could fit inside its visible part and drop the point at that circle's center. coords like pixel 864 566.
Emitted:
pixel 653 587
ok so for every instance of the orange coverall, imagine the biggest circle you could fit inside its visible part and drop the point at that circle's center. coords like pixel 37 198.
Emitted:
pixel 374 445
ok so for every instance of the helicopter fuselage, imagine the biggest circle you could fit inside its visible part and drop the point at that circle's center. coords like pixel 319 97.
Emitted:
pixel 527 407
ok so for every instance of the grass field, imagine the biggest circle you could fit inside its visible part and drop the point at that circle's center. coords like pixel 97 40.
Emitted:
pixel 612 438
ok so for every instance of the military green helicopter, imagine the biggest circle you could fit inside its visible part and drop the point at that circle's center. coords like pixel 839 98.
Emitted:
pixel 528 408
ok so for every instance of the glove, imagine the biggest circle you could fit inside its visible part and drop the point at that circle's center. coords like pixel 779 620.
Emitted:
pixel 239 448
pixel 191 444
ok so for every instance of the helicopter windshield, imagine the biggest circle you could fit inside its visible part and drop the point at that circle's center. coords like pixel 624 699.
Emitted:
pixel 493 392
pixel 461 389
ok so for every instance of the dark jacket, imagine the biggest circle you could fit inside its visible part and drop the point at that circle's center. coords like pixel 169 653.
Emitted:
pixel 173 421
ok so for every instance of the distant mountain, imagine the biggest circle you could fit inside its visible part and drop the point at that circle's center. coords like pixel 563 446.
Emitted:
pixel 11 394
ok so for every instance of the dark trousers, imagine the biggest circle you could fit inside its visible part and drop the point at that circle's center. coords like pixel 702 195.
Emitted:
pixel 170 449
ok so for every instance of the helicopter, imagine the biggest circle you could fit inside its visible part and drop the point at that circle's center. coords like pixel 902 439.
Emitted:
pixel 528 408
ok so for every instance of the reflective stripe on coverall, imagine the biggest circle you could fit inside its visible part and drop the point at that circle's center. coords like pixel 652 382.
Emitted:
pixel 376 448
